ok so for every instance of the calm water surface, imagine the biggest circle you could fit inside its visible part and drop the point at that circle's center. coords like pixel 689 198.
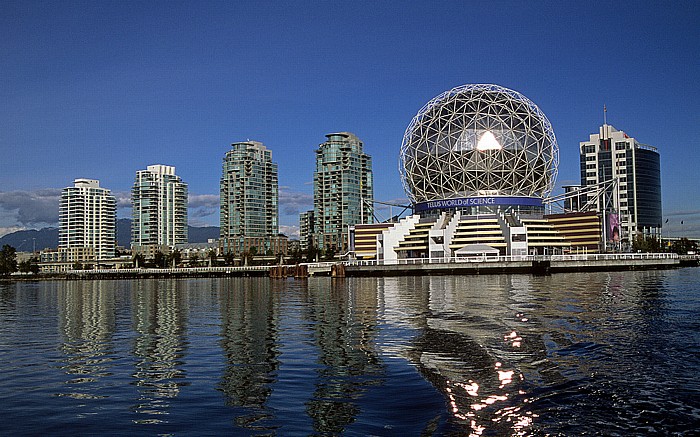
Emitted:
pixel 568 354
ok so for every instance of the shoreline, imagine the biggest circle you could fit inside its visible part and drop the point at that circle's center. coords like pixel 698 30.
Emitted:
pixel 535 265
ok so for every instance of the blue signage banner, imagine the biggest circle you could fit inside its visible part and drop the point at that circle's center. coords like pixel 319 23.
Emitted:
pixel 461 202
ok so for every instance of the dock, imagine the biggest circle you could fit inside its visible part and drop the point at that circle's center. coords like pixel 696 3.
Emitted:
pixel 475 265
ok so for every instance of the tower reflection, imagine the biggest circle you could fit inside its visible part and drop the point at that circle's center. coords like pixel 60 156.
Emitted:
pixel 249 313
pixel 86 320
pixel 159 318
pixel 345 323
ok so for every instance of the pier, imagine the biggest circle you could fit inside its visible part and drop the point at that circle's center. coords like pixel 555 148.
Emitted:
pixel 474 265
pixel 534 264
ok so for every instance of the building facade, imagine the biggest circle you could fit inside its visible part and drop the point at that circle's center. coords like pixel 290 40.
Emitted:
pixel 87 221
pixel 306 230
pixel 249 200
pixel 343 190
pixel 631 204
pixel 159 208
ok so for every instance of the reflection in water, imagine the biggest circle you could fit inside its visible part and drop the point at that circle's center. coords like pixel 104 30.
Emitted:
pixel 159 318
pixel 345 318
pixel 86 320
pixel 471 349
pixel 522 355
pixel 571 354
pixel 249 340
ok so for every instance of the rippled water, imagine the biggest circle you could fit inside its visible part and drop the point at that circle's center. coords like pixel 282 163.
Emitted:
pixel 567 354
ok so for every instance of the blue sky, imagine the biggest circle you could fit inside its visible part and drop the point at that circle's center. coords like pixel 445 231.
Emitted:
pixel 102 89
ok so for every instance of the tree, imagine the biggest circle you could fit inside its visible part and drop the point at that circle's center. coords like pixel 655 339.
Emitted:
pixel 330 252
pixel 30 265
pixel 295 256
pixel 212 257
pixel 8 260
pixel 174 258
pixel 683 246
pixel 248 256
pixel 646 244
pixel 139 260
pixel 312 253
pixel 194 260
pixel 229 258
pixel 160 259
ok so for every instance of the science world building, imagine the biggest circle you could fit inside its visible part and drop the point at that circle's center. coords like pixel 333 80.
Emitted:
pixel 477 163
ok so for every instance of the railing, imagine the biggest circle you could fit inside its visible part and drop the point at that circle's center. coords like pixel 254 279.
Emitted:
pixel 404 261
pixel 319 265
pixel 444 260
pixel 516 258
pixel 613 256
pixel 171 270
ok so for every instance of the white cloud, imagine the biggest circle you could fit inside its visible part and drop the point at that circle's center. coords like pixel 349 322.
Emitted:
pixel 203 209
pixel 290 231
pixel 294 202
pixel 29 209
pixel 123 199
pixel 10 229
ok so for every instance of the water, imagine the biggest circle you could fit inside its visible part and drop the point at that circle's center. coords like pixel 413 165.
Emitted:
pixel 568 354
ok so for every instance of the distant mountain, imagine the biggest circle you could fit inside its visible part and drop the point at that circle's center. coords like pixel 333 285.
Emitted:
pixel 202 234
pixel 26 241
pixel 124 233
pixel 47 238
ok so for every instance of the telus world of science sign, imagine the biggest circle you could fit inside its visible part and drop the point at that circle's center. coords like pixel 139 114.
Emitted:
pixel 463 202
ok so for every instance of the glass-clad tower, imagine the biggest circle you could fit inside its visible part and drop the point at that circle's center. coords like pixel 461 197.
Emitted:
pixel 159 207
pixel 343 190
pixel 87 219
pixel 249 199
pixel 634 201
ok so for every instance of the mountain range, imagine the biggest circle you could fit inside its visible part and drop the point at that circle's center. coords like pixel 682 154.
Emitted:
pixel 47 238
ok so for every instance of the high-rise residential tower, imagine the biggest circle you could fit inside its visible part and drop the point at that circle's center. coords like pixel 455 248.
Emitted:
pixel 159 207
pixel 633 202
pixel 249 201
pixel 306 230
pixel 343 190
pixel 87 220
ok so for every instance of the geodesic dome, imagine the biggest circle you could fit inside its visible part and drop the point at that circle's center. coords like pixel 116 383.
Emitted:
pixel 478 140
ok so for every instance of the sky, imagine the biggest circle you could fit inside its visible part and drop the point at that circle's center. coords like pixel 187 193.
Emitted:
pixel 101 89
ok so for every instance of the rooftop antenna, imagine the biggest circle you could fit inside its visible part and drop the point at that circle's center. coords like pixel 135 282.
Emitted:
pixel 605 114
pixel 606 129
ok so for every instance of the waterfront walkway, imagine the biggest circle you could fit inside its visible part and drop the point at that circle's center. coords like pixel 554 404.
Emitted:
pixel 536 264
pixel 413 266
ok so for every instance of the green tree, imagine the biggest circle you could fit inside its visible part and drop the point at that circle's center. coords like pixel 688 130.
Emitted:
pixel 29 266
pixel 194 260
pixel 139 260
pixel 8 260
pixel 646 244
pixel 211 255
pixel 249 256
pixel 312 253
pixel 295 256
pixel 683 245
pixel 174 258
pixel 330 252
pixel 160 259
pixel 229 258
